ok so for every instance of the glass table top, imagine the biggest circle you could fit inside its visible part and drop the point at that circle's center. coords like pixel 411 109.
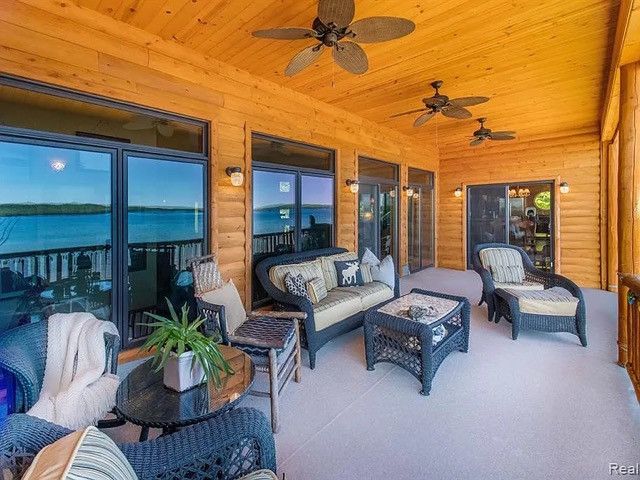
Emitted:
pixel 144 400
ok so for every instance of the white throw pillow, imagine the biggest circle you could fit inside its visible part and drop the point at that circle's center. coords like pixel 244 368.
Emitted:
pixel 228 296
pixel 385 272
pixel 368 257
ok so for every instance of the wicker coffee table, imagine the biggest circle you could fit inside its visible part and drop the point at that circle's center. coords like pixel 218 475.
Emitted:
pixel 392 336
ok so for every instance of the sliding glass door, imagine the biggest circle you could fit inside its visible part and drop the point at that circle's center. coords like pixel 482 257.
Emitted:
pixel 517 214
pixel 420 220
pixel 378 207
pixel 165 229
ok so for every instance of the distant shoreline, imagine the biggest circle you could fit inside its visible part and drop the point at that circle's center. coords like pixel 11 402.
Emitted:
pixel 30 209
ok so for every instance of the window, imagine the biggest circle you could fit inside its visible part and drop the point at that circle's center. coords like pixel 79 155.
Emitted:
pixel 94 223
pixel 293 200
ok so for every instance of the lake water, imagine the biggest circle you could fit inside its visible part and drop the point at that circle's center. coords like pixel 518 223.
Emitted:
pixel 44 232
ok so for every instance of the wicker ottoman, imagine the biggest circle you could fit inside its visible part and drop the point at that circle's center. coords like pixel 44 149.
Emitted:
pixel 390 335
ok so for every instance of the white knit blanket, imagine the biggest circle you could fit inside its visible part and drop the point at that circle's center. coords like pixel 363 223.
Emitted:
pixel 75 391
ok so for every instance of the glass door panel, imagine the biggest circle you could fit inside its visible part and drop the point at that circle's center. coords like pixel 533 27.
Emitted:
pixel 486 216
pixel 530 221
pixel 274 219
pixel 387 220
pixel 427 223
pixel 368 224
pixel 55 232
pixel 317 212
pixel 414 231
pixel 165 229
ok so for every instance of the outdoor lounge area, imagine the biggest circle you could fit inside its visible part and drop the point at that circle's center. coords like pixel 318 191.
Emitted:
pixel 319 239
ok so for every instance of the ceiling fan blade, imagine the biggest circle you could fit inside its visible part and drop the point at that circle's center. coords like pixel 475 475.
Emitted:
pixel 424 118
pixel 476 142
pixel 456 112
pixel 503 133
pixel 338 12
pixel 501 136
pixel 408 113
pixel 285 33
pixel 351 57
pixel 381 29
pixel 139 124
pixel 165 129
pixel 468 101
pixel 303 59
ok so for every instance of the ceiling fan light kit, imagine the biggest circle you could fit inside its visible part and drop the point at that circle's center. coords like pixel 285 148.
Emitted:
pixel 333 28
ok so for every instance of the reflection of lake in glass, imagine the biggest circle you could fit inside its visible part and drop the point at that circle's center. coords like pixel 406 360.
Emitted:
pixel 45 232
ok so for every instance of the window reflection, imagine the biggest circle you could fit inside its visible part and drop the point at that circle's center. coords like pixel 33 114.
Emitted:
pixel 55 233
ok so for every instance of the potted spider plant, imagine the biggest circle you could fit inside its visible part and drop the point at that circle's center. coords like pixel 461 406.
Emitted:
pixel 187 356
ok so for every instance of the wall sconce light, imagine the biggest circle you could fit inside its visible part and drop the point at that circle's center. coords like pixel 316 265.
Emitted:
pixel 458 192
pixel 237 177
pixel 408 190
pixel 564 187
pixel 353 185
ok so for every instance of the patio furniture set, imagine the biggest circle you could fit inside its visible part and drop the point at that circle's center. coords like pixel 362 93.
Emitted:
pixel 205 435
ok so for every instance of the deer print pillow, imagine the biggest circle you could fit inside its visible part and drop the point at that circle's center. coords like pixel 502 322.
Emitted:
pixel 349 273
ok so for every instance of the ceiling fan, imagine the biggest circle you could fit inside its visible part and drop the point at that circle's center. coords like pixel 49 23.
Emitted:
pixel 333 29
pixel 438 103
pixel 484 133
pixel 161 126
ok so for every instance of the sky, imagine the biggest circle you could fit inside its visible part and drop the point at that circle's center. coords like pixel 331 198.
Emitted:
pixel 270 188
pixel 27 175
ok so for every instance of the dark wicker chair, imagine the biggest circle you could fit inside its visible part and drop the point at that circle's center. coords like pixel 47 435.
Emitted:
pixel 225 447
pixel 501 304
pixel 311 338
pixel 23 353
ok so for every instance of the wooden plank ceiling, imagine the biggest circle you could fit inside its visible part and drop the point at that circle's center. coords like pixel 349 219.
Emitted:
pixel 543 63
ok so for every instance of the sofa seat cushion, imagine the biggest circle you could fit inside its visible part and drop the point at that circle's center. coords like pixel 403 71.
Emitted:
pixel 526 285
pixel 308 270
pixel 370 294
pixel 504 264
pixel 555 301
pixel 335 307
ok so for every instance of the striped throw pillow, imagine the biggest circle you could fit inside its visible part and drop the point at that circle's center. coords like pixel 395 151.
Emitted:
pixel 317 290
pixel 80 455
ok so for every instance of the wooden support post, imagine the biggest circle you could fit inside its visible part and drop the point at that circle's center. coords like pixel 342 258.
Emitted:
pixel 628 193
pixel 612 216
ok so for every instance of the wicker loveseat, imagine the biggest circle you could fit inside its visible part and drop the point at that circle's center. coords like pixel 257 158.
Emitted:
pixel 528 297
pixel 340 312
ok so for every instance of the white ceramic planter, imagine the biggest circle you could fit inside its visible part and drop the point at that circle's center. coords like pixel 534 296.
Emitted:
pixel 178 374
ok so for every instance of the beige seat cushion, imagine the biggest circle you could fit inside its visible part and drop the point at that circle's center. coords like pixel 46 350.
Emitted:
pixel 370 293
pixel 308 270
pixel 329 269
pixel 83 454
pixel 555 301
pixel 526 285
pixel 504 264
pixel 337 306
pixel 260 475
pixel 228 296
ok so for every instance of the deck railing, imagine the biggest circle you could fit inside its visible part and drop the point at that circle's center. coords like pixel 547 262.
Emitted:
pixel 629 326
pixel 58 264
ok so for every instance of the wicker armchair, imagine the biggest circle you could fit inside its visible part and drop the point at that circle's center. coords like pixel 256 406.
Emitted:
pixel 225 447
pixel 23 353
pixel 500 303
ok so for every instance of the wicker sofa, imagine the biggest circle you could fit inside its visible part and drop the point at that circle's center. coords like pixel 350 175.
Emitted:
pixel 343 309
